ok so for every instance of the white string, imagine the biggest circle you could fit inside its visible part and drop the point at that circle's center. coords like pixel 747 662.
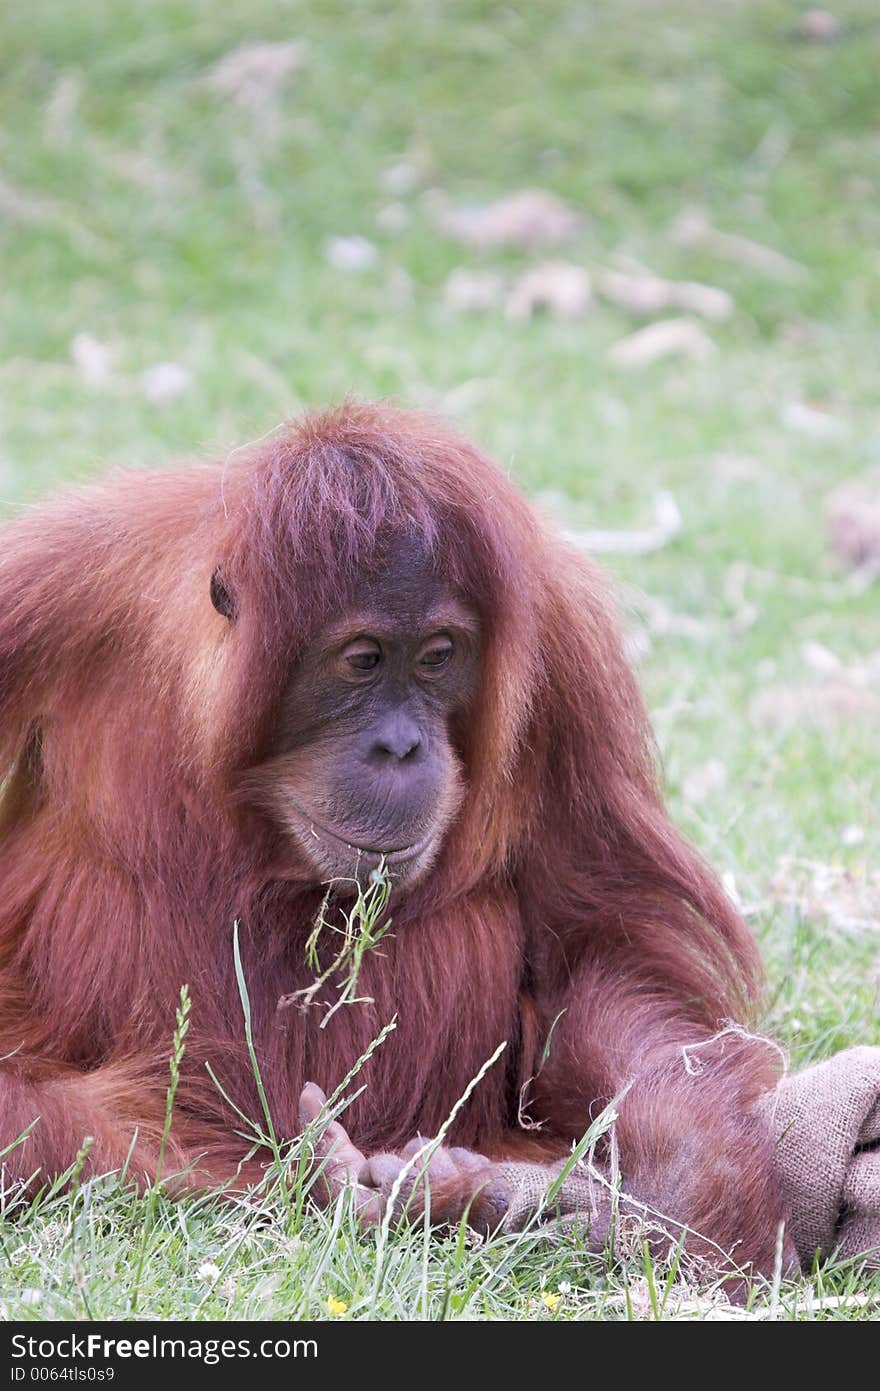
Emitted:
pixel 695 1067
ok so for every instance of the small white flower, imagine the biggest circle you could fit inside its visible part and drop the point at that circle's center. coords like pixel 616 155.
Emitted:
pixel 208 1271
pixel 350 254
pixel 564 1287
pixel 92 359
pixel 164 382
pixel 31 1298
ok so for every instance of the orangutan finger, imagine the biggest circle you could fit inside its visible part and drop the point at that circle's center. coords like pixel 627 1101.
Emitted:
pixel 340 1159
pixel 381 1170
pixel 414 1145
pixel 468 1161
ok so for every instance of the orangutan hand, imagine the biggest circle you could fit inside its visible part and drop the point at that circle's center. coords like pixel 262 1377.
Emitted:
pixel 453 1183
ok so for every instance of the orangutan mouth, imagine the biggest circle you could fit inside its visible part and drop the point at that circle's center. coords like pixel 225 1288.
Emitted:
pixel 392 854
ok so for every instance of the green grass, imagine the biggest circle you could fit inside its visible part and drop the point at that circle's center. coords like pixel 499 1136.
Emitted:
pixel 138 206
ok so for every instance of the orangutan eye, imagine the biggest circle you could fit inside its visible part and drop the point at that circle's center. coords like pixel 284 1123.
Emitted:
pixel 437 652
pixel 363 655
pixel 221 597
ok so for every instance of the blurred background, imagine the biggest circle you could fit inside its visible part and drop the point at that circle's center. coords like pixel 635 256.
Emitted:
pixel 631 247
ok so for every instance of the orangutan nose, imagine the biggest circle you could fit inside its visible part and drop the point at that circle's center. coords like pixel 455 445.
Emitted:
pixel 397 740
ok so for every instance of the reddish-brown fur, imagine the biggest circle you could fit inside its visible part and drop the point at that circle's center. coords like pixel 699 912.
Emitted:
pixel 128 710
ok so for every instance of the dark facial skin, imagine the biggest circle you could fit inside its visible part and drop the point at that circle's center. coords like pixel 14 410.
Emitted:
pixel 362 767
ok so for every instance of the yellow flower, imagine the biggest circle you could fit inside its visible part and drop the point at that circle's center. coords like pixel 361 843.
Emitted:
pixel 336 1306
pixel 552 1301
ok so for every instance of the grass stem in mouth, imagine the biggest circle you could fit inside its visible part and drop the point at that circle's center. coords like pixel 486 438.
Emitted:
pixel 362 927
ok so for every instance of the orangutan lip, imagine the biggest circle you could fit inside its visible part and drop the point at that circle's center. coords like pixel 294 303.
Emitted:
pixel 393 854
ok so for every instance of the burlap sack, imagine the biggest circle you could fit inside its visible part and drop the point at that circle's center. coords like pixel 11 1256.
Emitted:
pixel 827 1120
pixel 828 1155
pixel 579 1196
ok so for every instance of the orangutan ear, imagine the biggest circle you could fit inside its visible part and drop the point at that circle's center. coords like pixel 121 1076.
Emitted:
pixel 221 597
